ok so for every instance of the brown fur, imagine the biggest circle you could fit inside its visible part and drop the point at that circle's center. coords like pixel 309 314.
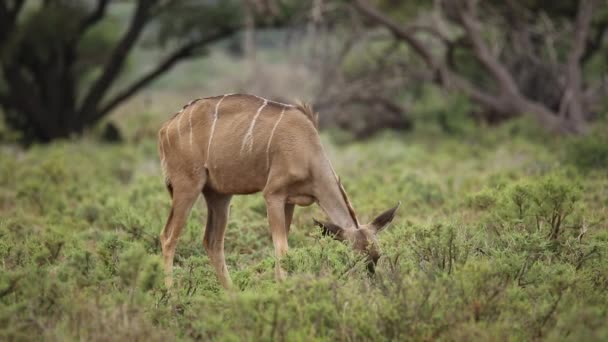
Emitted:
pixel 240 144
pixel 306 108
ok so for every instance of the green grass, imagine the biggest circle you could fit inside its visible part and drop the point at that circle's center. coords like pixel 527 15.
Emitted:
pixel 470 255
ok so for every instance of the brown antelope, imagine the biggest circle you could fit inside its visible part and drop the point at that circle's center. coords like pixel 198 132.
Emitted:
pixel 243 144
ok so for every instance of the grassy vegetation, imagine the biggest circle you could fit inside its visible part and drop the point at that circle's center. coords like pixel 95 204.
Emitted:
pixel 501 235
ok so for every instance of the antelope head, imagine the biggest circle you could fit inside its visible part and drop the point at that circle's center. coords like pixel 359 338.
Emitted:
pixel 362 239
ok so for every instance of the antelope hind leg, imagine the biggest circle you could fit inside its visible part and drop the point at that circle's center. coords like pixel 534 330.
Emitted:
pixel 184 194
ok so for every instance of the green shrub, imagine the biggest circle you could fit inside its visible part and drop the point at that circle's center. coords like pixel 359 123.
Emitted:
pixel 482 200
pixel 439 248
pixel 137 268
pixel 590 151
pixel 490 243
pixel 545 204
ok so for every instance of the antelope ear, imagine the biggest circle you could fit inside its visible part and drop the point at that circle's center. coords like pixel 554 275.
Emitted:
pixel 384 219
pixel 331 229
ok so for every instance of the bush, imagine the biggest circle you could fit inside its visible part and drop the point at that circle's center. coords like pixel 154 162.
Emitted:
pixel 490 243
pixel 589 152
pixel 545 205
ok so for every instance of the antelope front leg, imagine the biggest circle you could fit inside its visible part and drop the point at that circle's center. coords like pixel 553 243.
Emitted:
pixel 218 209
pixel 275 206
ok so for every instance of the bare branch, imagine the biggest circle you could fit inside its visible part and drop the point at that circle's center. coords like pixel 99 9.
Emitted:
pixel 483 53
pixel 404 34
pixel 509 100
pixel 414 28
pixel 176 56
pixel 94 17
pixel 582 27
pixel 448 78
pixel 572 99
pixel 117 59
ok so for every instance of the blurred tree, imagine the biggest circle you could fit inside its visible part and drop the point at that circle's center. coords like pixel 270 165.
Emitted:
pixel 358 77
pixel 511 57
pixel 61 58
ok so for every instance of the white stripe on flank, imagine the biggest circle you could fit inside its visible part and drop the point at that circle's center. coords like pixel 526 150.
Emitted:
pixel 276 124
pixel 167 133
pixel 191 105
pixel 179 126
pixel 248 139
pixel 179 121
pixel 215 117
pixel 190 123
pixel 163 161
pixel 271 101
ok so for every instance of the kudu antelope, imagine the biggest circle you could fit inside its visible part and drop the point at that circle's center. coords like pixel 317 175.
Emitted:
pixel 243 144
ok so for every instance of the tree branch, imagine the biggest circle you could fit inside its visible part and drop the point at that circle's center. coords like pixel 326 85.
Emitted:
pixel 509 100
pixel 117 59
pixel 95 16
pixel 447 77
pixel 400 32
pixel 430 30
pixel 572 99
pixel 179 54
pixel 483 53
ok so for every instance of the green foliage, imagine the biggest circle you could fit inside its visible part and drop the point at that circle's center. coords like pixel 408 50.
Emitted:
pixel 544 205
pixel 434 109
pixel 41 29
pixel 196 19
pixel 138 269
pixel 95 46
pixel 323 257
pixel 590 151
pixel 474 253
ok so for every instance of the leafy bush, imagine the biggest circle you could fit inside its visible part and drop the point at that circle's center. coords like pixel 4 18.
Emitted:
pixel 490 243
pixel 545 205
pixel 590 151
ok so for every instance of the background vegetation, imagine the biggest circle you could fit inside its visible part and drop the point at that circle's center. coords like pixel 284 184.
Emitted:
pixel 502 233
